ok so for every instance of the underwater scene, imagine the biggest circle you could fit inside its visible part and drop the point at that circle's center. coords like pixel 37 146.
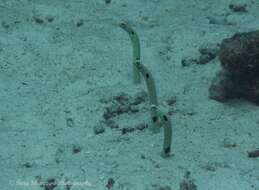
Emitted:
pixel 129 95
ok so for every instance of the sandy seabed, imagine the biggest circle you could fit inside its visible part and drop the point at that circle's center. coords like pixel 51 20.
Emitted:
pixel 60 59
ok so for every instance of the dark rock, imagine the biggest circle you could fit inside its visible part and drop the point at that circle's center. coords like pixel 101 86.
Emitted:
pixel 239 56
pixel 222 88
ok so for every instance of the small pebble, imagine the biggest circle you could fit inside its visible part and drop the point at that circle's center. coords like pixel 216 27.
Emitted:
pixel 108 1
pixel 76 149
pixel 188 61
pixel 80 23
pixel 141 126
pixel 127 130
pixel 38 20
pixel 70 122
pixel 110 183
pixel 98 129
pixel 241 8
pixel 165 188
pixel 110 123
pixel 253 154
pixel 50 184
pixel 228 143
pixel 49 18
pixel 171 101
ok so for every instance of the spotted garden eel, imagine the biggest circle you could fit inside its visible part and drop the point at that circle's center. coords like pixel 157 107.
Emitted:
pixel 158 115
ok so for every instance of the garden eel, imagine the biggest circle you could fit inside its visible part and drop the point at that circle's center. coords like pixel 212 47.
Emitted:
pixel 158 116
pixel 136 51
